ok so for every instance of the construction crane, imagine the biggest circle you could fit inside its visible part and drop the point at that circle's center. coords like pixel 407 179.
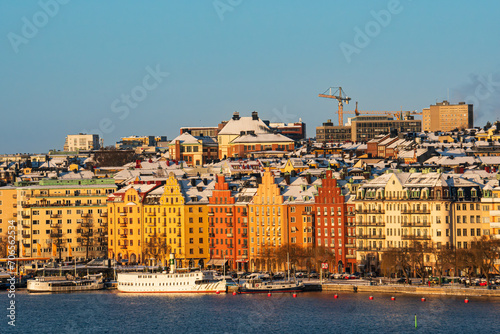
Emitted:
pixel 396 114
pixel 337 95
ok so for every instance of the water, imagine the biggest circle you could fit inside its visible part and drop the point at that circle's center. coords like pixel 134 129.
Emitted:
pixel 314 312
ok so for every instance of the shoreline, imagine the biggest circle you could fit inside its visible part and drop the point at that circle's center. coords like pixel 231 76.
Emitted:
pixel 414 290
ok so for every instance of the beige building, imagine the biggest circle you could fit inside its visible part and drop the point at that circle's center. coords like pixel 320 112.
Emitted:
pixel 81 142
pixel 444 116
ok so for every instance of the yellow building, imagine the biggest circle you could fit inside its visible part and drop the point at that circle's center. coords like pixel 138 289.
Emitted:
pixel 127 225
pixel 294 164
pixel 444 116
pixel 67 213
pixel 8 208
pixel 492 134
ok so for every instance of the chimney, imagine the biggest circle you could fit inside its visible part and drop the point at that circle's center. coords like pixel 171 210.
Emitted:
pixel 193 182
pixel 236 115
pixel 255 116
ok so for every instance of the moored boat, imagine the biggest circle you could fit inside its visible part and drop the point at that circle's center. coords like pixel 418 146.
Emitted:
pixel 64 284
pixel 258 286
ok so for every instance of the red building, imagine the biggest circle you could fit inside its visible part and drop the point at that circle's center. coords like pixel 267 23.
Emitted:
pixel 335 224
pixel 228 231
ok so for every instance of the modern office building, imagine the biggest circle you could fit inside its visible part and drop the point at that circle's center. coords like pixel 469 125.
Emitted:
pixel 444 116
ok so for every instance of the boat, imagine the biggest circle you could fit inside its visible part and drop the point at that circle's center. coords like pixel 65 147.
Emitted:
pixel 65 284
pixel 176 281
pixel 259 286
pixel 255 284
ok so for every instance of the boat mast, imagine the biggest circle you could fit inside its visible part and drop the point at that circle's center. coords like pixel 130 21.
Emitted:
pixel 288 264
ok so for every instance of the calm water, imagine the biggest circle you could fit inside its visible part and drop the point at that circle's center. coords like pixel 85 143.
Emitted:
pixel 113 312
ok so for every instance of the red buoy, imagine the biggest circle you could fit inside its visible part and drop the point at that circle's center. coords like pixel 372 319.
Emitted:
pixel 294 295
pixel 466 301
pixel 393 298
pixel 423 299
pixel 234 293
pixel 269 294
pixel 217 292
pixel 371 298
pixel 336 296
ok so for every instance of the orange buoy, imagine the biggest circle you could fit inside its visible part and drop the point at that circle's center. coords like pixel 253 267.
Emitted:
pixel 371 298
pixel 393 298
pixel 423 299
pixel 336 296
pixel 466 301
pixel 294 295
pixel 269 294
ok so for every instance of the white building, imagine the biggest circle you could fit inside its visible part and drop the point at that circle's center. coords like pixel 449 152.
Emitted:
pixel 81 142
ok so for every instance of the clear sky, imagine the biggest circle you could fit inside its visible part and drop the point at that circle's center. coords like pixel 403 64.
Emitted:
pixel 150 67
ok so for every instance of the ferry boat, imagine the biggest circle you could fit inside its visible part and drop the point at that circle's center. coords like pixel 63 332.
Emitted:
pixel 198 281
pixel 63 284
pixel 172 282
pixel 258 286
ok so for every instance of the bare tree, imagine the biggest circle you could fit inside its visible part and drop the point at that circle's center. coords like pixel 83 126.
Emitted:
pixel 3 246
pixel 486 252
pixel 110 157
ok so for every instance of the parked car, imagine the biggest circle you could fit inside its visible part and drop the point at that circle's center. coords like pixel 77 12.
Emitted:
pixel 401 280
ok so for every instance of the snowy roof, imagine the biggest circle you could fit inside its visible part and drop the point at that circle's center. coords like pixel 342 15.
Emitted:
pixel 235 126
pixel 261 138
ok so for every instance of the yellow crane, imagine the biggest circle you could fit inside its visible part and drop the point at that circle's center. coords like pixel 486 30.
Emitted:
pixel 337 95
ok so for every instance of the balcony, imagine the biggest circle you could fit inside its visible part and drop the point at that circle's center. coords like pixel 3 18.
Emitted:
pixel 416 237
pixel 244 224
pixel 369 249
pixel 86 215
pixel 25 215
pixel 415 212
pixel 103 234
pixel 211 224
pixel 417 224
pixel 211 235
pixel 307 213
pixel 162 235
pixel 55 215
pixel 229 224
pixel 123 247
pixel 350 245
pixel 123 236
pixel 229 213
pixel 85 224
pixel 26 224
pixel 372 236
pixel 245 246
pixel 152 224
pixel 370 211
pixel 103 214
pixel 372 223
pixel 123 214
pixel 350 256
pixel 244 214
pixel 86 234
pixel 104 224
pixel 151 214
pixel 55 225
pixel 55 234
pixel 26 235
pixel 179 235
pixel 244 235
pixel 229 235
pixel 122 224
pixel 210 213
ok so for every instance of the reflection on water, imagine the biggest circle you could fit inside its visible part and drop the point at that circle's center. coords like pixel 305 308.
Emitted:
pixel 104 311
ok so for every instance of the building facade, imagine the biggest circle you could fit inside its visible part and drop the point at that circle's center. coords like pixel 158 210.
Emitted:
pixel 444 116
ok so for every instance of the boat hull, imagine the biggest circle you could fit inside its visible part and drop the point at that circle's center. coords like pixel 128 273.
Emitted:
pixel 45 287
pixel 282 290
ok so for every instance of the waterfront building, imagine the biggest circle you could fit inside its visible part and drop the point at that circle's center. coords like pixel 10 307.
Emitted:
pixel 126 224
pixel 65 213
pixel 8 208
pixel 335 224
pixel 444 116
pixel 81 142
pixel 228 226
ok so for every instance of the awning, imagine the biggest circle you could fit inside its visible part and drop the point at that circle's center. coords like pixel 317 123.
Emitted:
pixel 216 262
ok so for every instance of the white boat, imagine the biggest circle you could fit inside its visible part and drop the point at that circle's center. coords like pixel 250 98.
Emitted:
pixel 63 284
pixel 189 282
pixel 173 282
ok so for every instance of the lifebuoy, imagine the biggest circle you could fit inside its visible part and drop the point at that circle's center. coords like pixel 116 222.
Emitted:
pixel 257 285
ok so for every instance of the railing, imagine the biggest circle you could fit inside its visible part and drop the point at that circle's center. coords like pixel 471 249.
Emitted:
pixel 150 214
pixel 211 235
pixel 86 215
pixel 350 256
pixel 229 235
pixel 123 213
pixel 103 214
pixel 370 211
pixel 307 213
pixel 229 224
pixel 26 224
pixel 229 213
pixel 370 223
pixel 55 215
pixel 55 225
pixel 211 213
pixel 373 249
pixel 103 224
pixel 25 215
pixel 244 235
pixel 244 213
pixel 123 236
pixel 417 224
pixel 55 234
pixel 26 235
pixel 350 245
pixel 123 246
pixel 411 212
pixel 416 237
pixel 371 236
pixel 245 246
pixel 122 224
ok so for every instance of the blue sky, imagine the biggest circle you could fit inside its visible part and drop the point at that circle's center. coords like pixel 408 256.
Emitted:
pixel 74 71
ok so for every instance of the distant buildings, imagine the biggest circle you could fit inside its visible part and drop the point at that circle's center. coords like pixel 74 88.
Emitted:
pixel 295 131
pixel 365 128
pixel 133 142
pixel 444 116
pixel 195 151
pixel 81 142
